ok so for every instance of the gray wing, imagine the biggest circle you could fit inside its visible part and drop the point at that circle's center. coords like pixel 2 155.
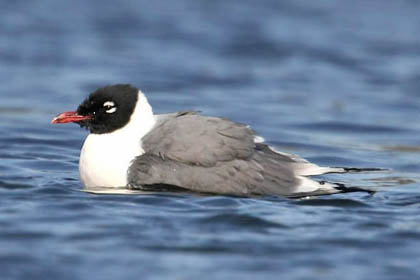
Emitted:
pixel 199 140
pixel 213 155
pixel 236 177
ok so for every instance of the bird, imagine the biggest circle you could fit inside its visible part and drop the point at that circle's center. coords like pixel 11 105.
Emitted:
pixel 131 147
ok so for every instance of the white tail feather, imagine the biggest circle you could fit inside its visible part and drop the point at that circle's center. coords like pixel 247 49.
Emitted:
pixel 308 185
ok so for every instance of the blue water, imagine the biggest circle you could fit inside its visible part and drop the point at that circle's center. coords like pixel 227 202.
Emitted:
pixel 337 82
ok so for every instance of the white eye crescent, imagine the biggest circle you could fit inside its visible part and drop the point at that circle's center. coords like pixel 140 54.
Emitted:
pixel 109 104
pixel 110 107
pixel 112 110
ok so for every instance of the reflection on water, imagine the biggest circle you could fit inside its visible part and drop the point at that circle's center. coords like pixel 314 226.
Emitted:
pixel 336 84
pixel 408 149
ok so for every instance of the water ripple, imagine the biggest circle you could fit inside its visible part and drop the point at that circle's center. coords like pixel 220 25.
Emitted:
pixel 317 79
pixel 242 221
pixel 337 202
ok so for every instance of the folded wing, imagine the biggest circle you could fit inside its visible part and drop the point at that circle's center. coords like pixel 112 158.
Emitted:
pixel 215 155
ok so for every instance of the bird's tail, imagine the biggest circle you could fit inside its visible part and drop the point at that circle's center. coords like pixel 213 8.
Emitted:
pixel 344 189
pixel 353 170
pixel 358 170
pixel 327 188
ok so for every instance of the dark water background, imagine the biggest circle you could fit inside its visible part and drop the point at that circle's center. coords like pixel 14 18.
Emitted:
pixel 337 82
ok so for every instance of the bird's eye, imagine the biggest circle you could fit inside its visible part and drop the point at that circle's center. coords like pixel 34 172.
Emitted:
pixel 110 107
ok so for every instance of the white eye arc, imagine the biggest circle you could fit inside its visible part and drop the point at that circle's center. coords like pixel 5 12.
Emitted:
pixel 109 104
pixel 110 107
pixel 112 110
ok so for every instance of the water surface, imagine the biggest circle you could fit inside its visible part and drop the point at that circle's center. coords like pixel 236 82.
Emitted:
pixel 335 82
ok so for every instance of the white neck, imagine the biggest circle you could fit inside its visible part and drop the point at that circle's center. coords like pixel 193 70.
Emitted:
pixel 105 158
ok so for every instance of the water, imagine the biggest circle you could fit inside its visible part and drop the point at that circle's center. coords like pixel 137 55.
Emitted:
pixel 336 82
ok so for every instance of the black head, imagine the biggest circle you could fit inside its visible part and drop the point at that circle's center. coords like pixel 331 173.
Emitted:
pixel 108 108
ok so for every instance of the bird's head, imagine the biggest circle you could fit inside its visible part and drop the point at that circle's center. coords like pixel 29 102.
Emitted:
pixel 105 110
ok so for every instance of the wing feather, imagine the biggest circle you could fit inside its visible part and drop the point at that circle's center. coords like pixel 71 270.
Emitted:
pixel 215 155
pixel 200 140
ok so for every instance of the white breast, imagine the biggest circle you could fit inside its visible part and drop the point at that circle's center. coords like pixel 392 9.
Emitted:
pixel 104 163
pixel 105 158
